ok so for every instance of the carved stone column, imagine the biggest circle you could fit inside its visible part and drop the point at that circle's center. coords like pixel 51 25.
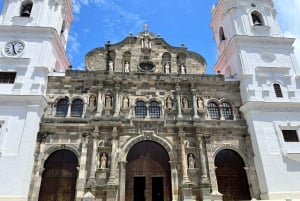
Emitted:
pixel 117 101
pixel 195 104
pixel 114 134
pixel 92 181
pixel 99 104
pixel 82 168
pixel 174 180
pixel 122 173
pixel 202 149
pixel 69 109
pixel 179 115
pixel 185 179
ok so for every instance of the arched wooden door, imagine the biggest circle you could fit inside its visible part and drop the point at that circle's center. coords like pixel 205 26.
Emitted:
pixel 231 176
pixel 148 175
pixel 59 177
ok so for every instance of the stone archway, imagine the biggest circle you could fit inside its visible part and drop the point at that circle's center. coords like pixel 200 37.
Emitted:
pixel 59 177
pixel 148 174
pixel 231 176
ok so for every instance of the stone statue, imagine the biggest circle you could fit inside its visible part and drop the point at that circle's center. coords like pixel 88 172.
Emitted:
pixel 103 161
pixel 125 102
pixel 167 68
pixel 185 103
pixel 200 103
pixel 108 101
pixel 126 67
pixel 110 66
pixel 191 161
pixel 169 103
pixel 182 69
pixel 92 101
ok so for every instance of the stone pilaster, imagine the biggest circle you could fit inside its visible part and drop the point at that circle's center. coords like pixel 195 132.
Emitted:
pixel 113 163
pixel 82 169
pixel 179 115
pixel 202 150
pixel 117 101
pixel 122 173
pixel 185 179
pixel 92 181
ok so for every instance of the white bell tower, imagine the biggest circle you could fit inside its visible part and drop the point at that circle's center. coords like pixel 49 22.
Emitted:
pixel 253 50
pixel 33 35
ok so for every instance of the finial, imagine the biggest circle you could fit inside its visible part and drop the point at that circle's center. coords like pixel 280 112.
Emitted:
pixel 146 26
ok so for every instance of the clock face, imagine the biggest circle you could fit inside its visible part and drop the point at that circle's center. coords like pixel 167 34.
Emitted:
pixel 14 48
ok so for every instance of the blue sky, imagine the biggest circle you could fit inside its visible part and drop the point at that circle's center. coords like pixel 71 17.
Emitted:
pixel 177 21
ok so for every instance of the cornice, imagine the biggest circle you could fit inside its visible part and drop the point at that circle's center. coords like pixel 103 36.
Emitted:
pixel 258 106
pixel 23 101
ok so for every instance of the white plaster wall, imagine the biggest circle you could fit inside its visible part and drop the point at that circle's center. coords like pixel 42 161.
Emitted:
pixel 276 172
pixel 20 125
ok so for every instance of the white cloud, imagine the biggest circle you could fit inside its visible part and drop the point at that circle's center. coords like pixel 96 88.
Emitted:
pixel 288 16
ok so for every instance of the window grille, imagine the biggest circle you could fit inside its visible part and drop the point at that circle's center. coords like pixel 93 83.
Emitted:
pixel 213 110
pixel 277 90
pixel 140 109
pixel 77 108
pixel 227 111
pixel 62 108
pixel 7 77
pixel 154 109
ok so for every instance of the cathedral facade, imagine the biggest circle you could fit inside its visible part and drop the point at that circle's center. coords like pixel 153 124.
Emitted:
pixel 144 122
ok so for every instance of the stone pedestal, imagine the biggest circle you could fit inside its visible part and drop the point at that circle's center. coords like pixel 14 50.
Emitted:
pixel 216 196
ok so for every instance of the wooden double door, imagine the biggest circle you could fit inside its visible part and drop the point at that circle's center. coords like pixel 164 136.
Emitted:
pixel 148 173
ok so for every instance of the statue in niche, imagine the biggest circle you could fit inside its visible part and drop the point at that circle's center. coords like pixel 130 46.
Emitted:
pixel 182 69
pixel 126 67
pixel 167 68
pixel 191 161
pixel 169 103
pixel 125 102
pixel 92 103
pixel 108 101
pixel 103 161
pixel 110 66
pixel 185 103
pixel 200 103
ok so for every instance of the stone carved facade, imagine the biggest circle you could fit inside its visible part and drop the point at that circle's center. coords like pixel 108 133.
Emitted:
pixel 176 117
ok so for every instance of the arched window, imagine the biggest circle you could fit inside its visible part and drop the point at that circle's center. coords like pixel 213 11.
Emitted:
pixel 213 110
pixel 59 177
pixel 221 34
pixel 26 8
pixel 77 108
pixel 140 109
pixel 227 111
pixel 62 107
pixel 231 176
pixel 257 18
pixel 154 109
pixel 277 90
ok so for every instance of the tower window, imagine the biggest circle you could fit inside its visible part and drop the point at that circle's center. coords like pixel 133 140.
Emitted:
pixel 277 90
pixel 140 109
pixel 227 111
pixel 62 107
pixel 213 110
pixel 77 108
pixel 257 18
pixel 7 77
pixel 290 136
pixel 154 109
pixel 221 34
pixel 26 8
